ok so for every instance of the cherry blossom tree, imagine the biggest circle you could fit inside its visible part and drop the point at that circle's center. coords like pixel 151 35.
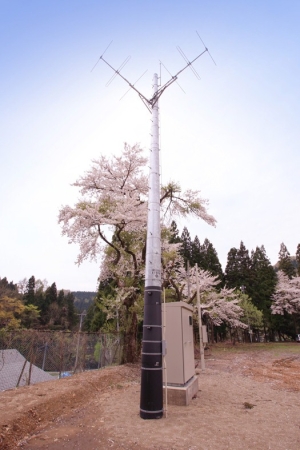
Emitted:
pixel 110 220
pixel 218 306
pixel 287 295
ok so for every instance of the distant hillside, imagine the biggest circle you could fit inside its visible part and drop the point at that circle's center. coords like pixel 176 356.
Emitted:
pixel 83 299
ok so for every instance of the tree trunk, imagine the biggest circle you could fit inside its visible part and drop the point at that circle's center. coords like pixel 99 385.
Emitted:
pixel 130 354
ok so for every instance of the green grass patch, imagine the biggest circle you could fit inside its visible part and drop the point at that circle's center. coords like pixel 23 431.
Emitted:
pixel 276 348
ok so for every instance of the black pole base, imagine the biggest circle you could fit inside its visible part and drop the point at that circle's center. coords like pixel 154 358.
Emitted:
pixel 151 406
pixel 146 415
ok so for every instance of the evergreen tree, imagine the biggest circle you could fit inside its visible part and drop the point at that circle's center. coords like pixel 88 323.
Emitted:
pixel 29 296
pixel 48 305
pixel 238 268
pixel 285 263
pixel 196 252
pixel 209 259
pixel 9 289
pixel 96 316
pixel 263 281
pixel 61 298
pixel 174 232
pixel 51 294
pixel 231 269
pixel 298 259
pixel 72 314
pixel 186 249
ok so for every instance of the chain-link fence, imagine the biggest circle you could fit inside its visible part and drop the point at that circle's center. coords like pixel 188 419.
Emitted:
pixel 57 353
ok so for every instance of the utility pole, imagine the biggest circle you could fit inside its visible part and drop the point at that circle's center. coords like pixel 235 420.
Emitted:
pixel 151 398
pixel 78 338
pixel 243 289
pixel 200 322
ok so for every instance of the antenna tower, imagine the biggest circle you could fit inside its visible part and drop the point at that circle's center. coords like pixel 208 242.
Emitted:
pixel 151 398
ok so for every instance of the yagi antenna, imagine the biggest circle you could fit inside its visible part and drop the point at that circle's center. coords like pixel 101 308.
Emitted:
pixel 117 72
pixel 149 103
pixel 134 84
pixel 206 48
pixel 171 75
pixel 101 55
pixel 188 63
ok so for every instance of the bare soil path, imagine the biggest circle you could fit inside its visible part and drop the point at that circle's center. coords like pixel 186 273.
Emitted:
pixel 249 398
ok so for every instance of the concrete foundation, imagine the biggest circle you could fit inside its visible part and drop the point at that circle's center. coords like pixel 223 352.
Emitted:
pixel 182 395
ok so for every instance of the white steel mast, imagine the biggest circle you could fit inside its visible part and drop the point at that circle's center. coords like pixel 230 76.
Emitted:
pixel 151 399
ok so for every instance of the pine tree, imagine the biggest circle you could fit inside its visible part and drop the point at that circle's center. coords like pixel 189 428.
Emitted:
pixel 51 294
pixel 186 249
pixel 231 269
pixel 263 281
pixel 29 296
pixel 8 288
pixel 209 259
pixel 237 271
pixel 285 263
pixel 71 314
pixel 61 298
pixel 196 252
pixel 174 239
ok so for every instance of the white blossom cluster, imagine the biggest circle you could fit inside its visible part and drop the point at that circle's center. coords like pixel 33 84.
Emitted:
pixel 110 220
pixel 287 295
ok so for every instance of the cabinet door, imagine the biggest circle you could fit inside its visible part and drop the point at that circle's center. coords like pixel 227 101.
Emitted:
pixel 188 344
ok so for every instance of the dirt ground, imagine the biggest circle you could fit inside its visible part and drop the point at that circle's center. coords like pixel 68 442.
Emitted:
pixel 249 398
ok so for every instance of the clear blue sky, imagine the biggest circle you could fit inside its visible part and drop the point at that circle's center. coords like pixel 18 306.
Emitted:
pixel 234 135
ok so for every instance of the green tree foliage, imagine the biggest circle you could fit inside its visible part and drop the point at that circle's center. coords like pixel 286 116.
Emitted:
pixel 11 305
pixel 6 286
pixel 263 281
pixel 238 268
pixel 30 316
pixel 196 257
pixel 186 246
pixel 209 259
pixel 11 309
pixel 252 316
pixel 285 262
pixel 51 294
pixel 96 316
pixel 72 313
pixel 29 296
pixel 174 233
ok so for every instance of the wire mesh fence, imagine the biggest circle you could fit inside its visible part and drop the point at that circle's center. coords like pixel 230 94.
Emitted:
pixel 58 353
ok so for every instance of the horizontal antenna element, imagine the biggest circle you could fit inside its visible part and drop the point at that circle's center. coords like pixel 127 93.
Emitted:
pixel 117 72
pixel 101 55
pixel 206 48
pixel 188 63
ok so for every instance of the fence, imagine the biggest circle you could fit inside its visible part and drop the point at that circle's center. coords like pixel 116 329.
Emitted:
pixel 61 352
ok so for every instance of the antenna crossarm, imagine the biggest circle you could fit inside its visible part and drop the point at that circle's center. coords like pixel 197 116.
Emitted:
pixel 160 91
pixel 150 103
pixel 145 100
pixel 190 63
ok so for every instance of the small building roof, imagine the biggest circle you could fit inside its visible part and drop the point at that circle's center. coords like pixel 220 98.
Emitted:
pixel 11 366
